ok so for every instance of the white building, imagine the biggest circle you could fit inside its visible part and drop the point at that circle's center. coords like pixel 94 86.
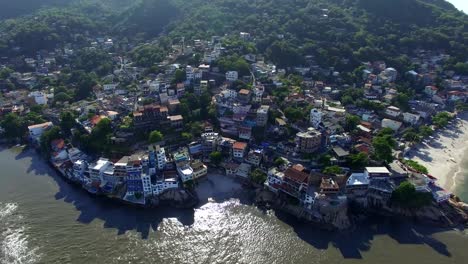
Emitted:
pixel 36 131
pixel 376 173
pixel 232 76
pixel 147 188
pixel 189 73
pixel 274 179
pixel 392 124
pixel 258 92
pixel 79 168
pixel 40 98
pixel 199 169
pixel 164 185
pixel 97 169
pixel 391 74
pixel 357 181
pixel 315 117
pixel 185 171
pixel 161 158
pixel 410 118
pixel 393 111
pixel 262 115
pixel 244 35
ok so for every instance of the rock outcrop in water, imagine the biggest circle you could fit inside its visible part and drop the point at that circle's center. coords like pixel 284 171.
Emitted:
pixel 329 214
pixel 324 213
pixel 178 198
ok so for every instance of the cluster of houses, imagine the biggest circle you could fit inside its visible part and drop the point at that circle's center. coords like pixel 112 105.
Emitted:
pixel 154 102
pixel 135 179
pixel 371 188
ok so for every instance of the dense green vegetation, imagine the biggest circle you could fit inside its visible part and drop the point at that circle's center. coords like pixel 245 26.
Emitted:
pixel 383 145
pixel 407 196
pixel 416 166
pixel 285 31
pixel 16 126
pixel 332 170
pixel 441 119
pixel 258 176
pixel 155 136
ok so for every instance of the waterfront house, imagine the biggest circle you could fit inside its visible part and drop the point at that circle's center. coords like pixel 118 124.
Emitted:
pixel 329 186
pixel 157 157
pixel 199 169
pixel 295 181
pixel 96 171
pixel 243 171
pixel 275 179
pixel 36 131
pixel 254 157
pixel 379 192
pixel 133 179
pixel 231 168
pixel 184 171
pixel 357 182
pixel 80 167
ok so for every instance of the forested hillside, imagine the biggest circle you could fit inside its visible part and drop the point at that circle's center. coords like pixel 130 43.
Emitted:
pixel 284 30
pixel 10 9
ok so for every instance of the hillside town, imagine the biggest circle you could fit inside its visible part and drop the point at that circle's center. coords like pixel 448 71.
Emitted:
pixel 310 136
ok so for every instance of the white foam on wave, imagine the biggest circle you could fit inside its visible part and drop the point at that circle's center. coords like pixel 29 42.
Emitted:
pixel 7 209
pixel 14 242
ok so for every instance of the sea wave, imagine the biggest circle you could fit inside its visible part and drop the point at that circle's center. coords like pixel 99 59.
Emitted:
pixel 15 246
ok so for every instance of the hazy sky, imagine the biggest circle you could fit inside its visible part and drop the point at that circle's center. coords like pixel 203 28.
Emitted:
pixel 460 4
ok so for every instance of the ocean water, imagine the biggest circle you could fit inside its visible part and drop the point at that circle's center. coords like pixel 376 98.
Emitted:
pixel 462 180
pixel 46 220
pixel 15 247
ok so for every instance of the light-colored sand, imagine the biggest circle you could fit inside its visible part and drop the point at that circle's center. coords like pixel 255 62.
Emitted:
pixel 444 153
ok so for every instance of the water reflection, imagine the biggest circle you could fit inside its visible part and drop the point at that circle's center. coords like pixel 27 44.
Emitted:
pixel 225 226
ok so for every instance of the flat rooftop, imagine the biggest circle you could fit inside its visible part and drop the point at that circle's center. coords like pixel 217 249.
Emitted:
pixel 357 179
pixel 381 170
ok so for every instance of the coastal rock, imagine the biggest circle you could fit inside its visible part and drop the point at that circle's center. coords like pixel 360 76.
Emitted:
pixel 324 214
pixel 179 198
pixel 333 212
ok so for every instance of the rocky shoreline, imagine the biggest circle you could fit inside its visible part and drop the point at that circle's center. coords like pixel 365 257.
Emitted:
pixel 454 214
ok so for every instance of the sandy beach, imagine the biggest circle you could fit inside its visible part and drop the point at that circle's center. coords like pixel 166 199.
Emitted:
pixel 444 153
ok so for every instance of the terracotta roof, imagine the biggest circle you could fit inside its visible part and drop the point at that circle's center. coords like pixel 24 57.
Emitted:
pixel 244 91
pixel 239 145
pixel 366 124
pixel 95 120
pixel 298 167
pixel 295 175
pixel 362 148
pixel 58 143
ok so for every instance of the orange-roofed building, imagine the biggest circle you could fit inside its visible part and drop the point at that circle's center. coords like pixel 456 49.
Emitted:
pixel 239 149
